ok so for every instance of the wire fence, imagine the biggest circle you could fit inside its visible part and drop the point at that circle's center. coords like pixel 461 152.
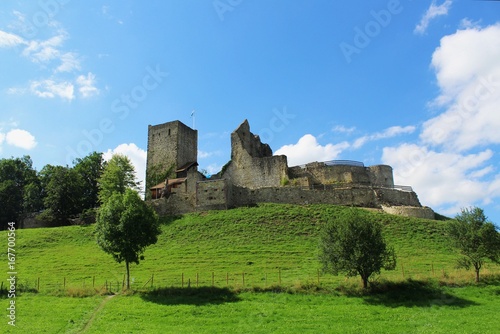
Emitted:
pixel 244 279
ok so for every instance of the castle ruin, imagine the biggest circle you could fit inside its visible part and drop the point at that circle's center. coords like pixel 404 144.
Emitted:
pixel 254 175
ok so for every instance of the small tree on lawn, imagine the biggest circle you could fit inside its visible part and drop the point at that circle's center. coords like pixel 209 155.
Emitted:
pixel 125 226
pixel 476 238
pixel 354 245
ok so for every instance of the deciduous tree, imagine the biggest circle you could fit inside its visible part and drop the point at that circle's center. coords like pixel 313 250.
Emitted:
pixel 63 187
pixel 19 189
pixel 118 176
pixel 125 226
pixel 476 238
pixel 90 169
pixel 354 245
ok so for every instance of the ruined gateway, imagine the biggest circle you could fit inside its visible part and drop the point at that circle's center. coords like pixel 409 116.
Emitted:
pixel 254 175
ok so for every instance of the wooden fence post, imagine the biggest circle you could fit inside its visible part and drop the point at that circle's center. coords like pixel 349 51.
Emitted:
pixel 64 283
pixel 243 277
pixel 38 284
pixel 227 279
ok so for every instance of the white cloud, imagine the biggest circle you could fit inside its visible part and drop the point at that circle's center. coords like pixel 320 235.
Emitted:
pixel 203 154
pixel 51 89
pixel 136 155
pixel 443 179
pixel 9 40
pixel 16 90
pixel 69 62
pixel 432 12
pixel 387 133
pixel 52 58
pixel 343 129
pixel 212 168
pixel 307 149
pixel 44 51
pixel 20 138
pixel 467 66
pixel 87 85
pixel 467 23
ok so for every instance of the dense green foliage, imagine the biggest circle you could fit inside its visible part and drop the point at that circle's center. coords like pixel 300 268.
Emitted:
pixel 117 176
pixel 63 191
pixel 90 169
pixel 20 190
pixel 59 191
pixel 125 226
pixel 476 238
pixel 353 244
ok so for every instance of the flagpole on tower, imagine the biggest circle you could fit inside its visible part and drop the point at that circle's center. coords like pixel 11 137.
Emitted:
pixel 192 116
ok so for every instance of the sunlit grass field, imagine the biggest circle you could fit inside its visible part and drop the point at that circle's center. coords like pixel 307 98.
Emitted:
pixel 247 270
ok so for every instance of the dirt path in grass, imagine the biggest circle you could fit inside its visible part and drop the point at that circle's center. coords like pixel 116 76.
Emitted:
pixel 98 309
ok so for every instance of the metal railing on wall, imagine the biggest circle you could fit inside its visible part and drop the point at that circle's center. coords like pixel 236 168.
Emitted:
pixel 334 186
pixel 344 163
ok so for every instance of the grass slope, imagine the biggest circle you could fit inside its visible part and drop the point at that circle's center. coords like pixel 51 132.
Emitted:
pixel 263 246
pixel 269 239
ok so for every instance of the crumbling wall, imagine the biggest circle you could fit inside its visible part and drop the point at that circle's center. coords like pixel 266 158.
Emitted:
pixel 381 175
pixel 320 173
pixel 211 195
pixel 362 196
pixel 410 211
pixel 389 196
pixel 252 163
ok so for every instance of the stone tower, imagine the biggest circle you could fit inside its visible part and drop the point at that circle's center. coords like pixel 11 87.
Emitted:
pixel 171 145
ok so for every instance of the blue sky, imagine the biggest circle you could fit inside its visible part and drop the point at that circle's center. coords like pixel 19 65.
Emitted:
pixel 413 84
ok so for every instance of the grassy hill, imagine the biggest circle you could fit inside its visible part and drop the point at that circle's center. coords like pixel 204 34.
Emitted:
pixel 259 247
pixel 279 241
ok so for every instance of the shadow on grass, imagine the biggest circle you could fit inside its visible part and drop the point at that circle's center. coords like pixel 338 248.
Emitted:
pixel 190 296
pixel 413 293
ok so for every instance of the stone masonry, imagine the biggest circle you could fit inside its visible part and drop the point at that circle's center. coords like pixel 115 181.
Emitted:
pixel 254 175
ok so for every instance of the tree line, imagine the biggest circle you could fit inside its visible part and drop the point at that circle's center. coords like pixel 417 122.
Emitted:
pixel 57 193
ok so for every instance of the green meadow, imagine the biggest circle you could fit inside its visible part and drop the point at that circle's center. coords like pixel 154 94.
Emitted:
pixel 246 270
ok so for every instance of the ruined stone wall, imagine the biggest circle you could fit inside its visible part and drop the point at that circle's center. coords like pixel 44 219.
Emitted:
pixel 258 172
pixel 320 173
pixel 410 211
pixel 389 196
pixel 355 196
pixel 381 175
pixel 175 204
pixel 252 163
pixel 212 195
